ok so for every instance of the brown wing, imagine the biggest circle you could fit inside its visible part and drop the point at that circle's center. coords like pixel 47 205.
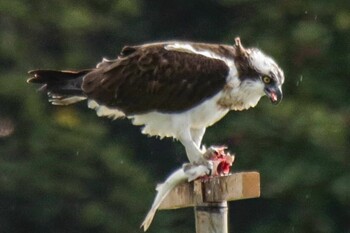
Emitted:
pixel 148 78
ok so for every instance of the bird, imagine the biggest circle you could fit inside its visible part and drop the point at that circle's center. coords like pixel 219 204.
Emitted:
pixel 172 89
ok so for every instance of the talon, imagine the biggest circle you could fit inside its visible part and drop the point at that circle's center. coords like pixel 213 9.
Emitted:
pixel 195 170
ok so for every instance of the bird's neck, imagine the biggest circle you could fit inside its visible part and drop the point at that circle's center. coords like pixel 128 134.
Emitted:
pixel 239 94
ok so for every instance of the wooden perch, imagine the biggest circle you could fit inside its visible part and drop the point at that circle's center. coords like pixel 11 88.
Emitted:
pixel 210 198
pixel 237 186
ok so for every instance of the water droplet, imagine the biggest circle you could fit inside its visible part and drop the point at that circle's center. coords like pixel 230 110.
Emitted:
pixel 300 80
pixel 7 127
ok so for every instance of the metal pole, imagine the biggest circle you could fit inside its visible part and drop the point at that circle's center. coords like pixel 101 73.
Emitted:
pixel 211 217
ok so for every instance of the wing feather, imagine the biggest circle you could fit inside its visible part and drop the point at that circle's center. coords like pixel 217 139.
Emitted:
pixel 152 78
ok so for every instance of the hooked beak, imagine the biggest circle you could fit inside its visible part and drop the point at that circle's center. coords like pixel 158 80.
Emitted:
pixel 274 93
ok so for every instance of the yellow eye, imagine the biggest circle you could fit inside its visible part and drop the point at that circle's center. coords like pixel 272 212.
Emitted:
pixel 266 79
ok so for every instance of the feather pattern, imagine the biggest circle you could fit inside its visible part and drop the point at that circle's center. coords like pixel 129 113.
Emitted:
pixel 153 78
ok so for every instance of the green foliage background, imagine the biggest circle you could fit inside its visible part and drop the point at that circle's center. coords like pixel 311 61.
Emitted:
pixel 62 169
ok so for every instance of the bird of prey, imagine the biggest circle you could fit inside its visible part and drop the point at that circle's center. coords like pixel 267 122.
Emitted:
pixel 173 89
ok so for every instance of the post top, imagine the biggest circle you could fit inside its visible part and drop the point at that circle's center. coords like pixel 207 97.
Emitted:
pixel 236 186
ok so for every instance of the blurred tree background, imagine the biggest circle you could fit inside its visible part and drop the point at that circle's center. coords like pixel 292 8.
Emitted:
pixel 62 169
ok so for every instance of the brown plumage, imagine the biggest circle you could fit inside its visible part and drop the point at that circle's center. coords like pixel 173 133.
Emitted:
pixel 146 78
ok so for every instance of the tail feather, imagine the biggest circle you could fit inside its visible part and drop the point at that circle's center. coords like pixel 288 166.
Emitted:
pixel 62 87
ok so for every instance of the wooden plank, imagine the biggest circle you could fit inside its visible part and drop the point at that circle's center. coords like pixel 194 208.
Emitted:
pixel 236 186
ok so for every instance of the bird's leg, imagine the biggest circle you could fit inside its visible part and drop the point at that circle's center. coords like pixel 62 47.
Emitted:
pixel 216 158
pixel 193 151
pixel 198 166
pixel 197 136
pixel 213 161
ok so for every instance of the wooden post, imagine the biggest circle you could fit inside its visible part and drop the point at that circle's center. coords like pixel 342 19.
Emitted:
pixel 211 217
pixel 209 198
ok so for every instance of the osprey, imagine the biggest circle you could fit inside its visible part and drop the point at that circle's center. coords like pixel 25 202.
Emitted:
pixel 173 89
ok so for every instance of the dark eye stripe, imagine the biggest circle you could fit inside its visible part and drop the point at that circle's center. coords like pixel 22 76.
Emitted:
pixel 273 76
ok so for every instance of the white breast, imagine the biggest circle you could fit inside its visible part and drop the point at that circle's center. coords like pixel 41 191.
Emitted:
pixel 242 95
pixel 171 124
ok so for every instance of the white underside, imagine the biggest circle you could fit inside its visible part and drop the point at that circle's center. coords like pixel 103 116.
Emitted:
pixel 103 111
pixel 169 124
pixel 173 124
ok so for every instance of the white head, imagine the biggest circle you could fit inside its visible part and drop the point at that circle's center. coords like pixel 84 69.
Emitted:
pixel 258 73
